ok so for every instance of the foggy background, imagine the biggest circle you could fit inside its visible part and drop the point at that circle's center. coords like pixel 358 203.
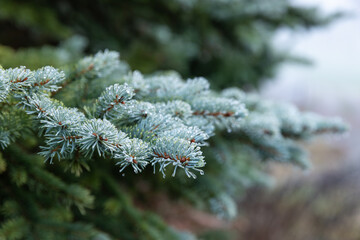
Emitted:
pixel 331 85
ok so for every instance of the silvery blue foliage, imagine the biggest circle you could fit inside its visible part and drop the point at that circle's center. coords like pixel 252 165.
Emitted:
pixel 134 152
pixel 19 78
pixel 38 104
pixel 193 88
pixel 157 123
pixel 61 120
pixel 177 108
pixel 4 85
pixel 192 134
pixel 47 78
pixel 137 82
pixel 99 135
pixel 99 65
pixel 272 128
pixel 114 95
pixel 159 120
pixel 160 88
pixel 203 123
pixel 179 153
pixel 222 112
pixel 22 79
pixel 131 112
pixel 192 99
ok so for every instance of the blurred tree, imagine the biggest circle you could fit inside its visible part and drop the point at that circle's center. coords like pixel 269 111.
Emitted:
pixel 229 42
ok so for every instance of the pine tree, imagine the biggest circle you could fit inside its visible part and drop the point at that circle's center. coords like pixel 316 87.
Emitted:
pixel 77 139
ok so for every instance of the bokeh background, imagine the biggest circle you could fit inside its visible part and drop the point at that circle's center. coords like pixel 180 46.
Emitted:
pixel 302 51
pixel 321 203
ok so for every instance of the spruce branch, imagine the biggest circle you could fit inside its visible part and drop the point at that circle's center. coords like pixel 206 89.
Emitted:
pixel 20 78
pixel 99 135
pixel 48 79
pixel 192 134
pixel 177 108
pixel 179 153
pixel 272 128
pixel 156 123
pixel 132 112
pixel 114 95
pixel 223 112
pixel 135 153
pixel 137 81
pixel 101 64
pixel 4 85
pixel 152 119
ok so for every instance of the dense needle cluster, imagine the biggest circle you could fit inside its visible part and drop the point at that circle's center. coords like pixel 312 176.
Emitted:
pixel 157 120
pixel 160 115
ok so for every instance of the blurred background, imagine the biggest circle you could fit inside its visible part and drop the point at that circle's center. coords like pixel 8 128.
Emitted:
pixel 301 51
pixel 323 201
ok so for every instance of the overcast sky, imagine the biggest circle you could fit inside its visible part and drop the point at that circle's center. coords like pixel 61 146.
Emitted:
pixel 335 50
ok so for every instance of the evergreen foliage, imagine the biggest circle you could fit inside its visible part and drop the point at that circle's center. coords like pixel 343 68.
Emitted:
pixel 228 42
pixel 86 117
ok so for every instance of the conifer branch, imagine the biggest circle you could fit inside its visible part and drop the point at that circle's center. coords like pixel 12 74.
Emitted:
pixel 158 120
